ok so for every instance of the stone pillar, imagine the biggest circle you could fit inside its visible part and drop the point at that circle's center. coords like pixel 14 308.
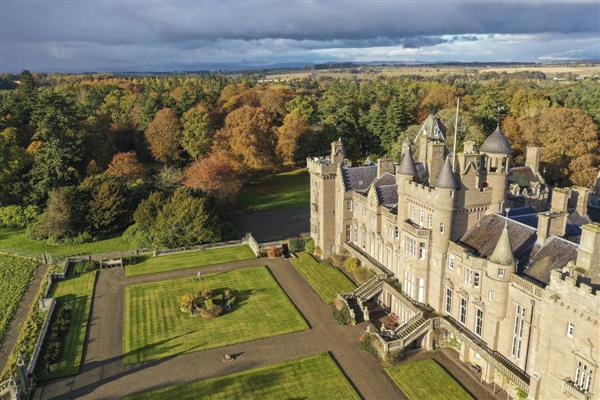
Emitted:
pixel 534 386
pixel 463 353
pixel 490 372
pixel 428 340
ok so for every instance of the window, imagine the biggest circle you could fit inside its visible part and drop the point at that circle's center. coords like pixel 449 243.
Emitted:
pixel 421 290
pixel 348 205
pixel 476 279
pixel 408 284
pixel 441 227
pixel 468 275
pixel 451 261
pixel 500 272
pixel 490 295
pixel 410 245
pixel 570 329
pixel 412 212
pixel 518 331
pixel 448 301
pixel 372 221
pixel 430 220
pixel 396 233
pixel 348 230
pixel 421 250
pixel 462 312
pixel 421 217
pixel 583 376
pixel 478 322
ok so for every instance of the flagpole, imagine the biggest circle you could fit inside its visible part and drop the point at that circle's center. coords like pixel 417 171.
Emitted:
pixel 455 136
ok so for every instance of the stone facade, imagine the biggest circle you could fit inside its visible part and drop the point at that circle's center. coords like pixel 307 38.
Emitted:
pixel 523 307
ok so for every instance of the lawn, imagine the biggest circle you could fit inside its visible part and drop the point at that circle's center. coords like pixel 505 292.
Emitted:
pixel 426 379
pixel 285 190
pixel 193 259
pixel 154 327
pixel 15 276
pixel 326 280
pixel 14 240
pixel 76 293
pixel 316 377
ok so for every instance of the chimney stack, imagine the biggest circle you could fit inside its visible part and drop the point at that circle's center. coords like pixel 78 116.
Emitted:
pixel 551 224
pixel 560 200
pixel 588 252
pixel 385 165
pixel 583 198
pixel 532 158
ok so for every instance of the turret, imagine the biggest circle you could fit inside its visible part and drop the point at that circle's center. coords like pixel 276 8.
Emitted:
pixel 497 151
pixel 446 178
pixel 500 266
pixel 338 153
pixel 407 165
pixel 406 172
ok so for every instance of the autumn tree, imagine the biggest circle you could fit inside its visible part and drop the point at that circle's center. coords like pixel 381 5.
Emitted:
pixel 164 136
pixel 294 126
pixel 215 175
pixel 249 133
pixel 198 131
pixel 125 165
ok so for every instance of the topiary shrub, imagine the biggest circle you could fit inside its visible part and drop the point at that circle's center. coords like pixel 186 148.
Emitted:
pixel 342 316
pixel 208 303
pixel 309 246
pixel 296 244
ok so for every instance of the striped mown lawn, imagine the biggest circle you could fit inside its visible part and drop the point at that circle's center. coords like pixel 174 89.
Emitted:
pixel 426 379
pixel 76 293
pixel 154 327
pixel 316 377
pixel 326 280
pixel 193 259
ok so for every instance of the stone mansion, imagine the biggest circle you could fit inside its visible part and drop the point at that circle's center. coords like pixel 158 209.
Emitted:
pixel 515 292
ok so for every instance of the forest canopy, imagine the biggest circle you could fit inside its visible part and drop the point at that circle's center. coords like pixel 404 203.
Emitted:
pixel 95 154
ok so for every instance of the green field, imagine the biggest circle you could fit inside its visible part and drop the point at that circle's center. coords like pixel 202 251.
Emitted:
pixel 285 190
pixel 75 292
pixel 14 240
pixel 326 280
pixel 316 377
pixel 426 379
pixel 15 275
pixel 193 259
pixel 156 328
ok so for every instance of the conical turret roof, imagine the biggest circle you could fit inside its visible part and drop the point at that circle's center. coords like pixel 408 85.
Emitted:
pixel 496 143
pixel 407 165
pixel 502 253
pixel 446 179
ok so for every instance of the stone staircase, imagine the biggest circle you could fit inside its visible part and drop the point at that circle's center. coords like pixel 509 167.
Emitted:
pixel 353 305
pixel 408 332
pixel 369 288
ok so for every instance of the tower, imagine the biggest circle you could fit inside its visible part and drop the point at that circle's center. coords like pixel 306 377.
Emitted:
pixel 323 172
pixel 496 151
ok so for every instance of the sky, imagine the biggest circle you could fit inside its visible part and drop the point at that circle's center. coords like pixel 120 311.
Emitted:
pixel 76 36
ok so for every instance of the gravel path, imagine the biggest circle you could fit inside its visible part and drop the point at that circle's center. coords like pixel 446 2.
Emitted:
pixel 103 376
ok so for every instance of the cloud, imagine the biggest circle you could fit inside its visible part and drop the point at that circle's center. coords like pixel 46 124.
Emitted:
pixel 81 35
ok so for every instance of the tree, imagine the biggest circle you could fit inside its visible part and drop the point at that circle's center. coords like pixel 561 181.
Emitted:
pixel 141 232
pixel 215 175
pixel 249 133
pixel 399 115
pixel 125 165
pixel 198 131
pixel 109 207
pixel 185 219
pixel 64 216
pixel 294 126
pixel 13 163
pixel 52 168
pixel 164 136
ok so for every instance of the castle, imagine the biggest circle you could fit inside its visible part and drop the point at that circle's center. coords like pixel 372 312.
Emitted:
pixel 515 298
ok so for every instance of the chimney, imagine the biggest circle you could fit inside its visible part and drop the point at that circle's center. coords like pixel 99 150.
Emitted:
pixel 469 147
pixel 551 224
pixel 560 200
pixel 588 252
pixel 532 158
pixel 385 165
pixel 583 198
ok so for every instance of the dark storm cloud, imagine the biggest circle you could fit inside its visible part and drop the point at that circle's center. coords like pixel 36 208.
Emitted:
pixel 88 35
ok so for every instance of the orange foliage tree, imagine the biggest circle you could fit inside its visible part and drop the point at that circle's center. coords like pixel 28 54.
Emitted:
pixel 125 165
pixel 294 126
pixel 164 136
pixel 215 174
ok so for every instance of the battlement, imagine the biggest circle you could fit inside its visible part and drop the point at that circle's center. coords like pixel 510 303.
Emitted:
pixel 574 285
pixel 321 165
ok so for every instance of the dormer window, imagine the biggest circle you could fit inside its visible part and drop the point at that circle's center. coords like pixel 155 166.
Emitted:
pixel 570 329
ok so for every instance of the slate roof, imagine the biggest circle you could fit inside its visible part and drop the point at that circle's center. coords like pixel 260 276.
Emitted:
pixel 446 177
pixel 483 237
pixel 496 143
pixel 523 176
pixel 387 195
pixel 384 180
pixel 515 212
pixel 407 165
pixel 555 253
pixel 359 178
pixel 433 128
pixel 571 230
pixel 502 253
